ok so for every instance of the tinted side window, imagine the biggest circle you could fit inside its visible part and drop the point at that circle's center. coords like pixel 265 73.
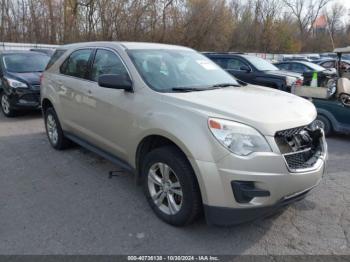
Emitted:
pixel 55 57
pixel 106 63
pixel 222 62
pixel 299 68
pixel 77 64
pixel 230 63
pixel 235 64
pixel 283 66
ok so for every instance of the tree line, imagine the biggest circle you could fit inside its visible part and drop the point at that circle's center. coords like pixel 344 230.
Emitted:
pixel 271 26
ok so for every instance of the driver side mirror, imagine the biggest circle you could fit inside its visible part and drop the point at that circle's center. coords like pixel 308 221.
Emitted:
pixel 116 82
pixel 245 68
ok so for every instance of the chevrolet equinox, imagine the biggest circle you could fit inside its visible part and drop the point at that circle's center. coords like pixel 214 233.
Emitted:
pixel 196 139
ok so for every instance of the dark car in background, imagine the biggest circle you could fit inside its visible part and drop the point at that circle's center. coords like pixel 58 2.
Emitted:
pixel 332 116
pixel 307 69
pixel 20 73
pixel 255 70
pixel 331 63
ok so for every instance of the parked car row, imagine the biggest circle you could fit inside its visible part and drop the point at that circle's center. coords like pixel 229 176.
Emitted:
pixel 307 70
pixel 333 116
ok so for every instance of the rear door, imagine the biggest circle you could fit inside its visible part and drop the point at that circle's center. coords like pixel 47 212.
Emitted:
pixel 73 92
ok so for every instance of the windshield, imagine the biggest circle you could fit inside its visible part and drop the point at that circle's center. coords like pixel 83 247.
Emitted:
pixel 176 70
pixel 261 64
pixel 315 67
pixel 25 62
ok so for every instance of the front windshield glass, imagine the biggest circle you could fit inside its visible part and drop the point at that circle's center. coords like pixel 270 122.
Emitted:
pixel 261 64
pixel 168 70
pixel 25 62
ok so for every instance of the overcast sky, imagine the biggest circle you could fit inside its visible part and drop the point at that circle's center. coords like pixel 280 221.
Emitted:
pixel 346 3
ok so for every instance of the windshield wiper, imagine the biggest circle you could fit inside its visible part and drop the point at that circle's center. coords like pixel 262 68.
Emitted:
pixel 193 89
pixel 225 85
pixel 188 89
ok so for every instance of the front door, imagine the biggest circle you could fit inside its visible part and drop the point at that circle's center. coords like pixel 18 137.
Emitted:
pixel 108 109
pixel 239 69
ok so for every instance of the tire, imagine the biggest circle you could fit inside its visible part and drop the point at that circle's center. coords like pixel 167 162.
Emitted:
pixel 345 99
pixel 325 124
pixel 6 106
pixel 54 130
pixel 186 208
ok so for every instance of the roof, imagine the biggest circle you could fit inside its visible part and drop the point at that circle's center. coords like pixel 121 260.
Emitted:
pixel 144 45
pixel 342 50
pixel 125 45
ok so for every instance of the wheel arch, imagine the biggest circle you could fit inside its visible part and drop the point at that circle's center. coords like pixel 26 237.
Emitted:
pixel 45 104
pixel 152 141
pixel 155 140
pixel 330 117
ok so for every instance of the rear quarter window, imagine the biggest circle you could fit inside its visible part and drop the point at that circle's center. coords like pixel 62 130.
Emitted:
pixel 55 57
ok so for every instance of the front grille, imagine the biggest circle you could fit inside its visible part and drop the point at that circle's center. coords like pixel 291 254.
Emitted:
pixel 290 132
pixel 301 147
pixel 303 159
pixel 31 98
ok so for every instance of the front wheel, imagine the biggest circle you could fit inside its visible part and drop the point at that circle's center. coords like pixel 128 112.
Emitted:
pixel 6 106
pixel 171 187
pixel 54 130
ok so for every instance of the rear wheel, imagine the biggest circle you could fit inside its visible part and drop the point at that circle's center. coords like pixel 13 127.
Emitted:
pixel 324 123
pixel 54 130
pixel 6 106
pixel 171 187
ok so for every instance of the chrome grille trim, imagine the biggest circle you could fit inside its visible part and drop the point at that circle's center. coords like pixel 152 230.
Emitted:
pixel 290 132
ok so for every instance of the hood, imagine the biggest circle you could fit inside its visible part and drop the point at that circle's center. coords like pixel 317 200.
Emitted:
pixel 330 72
pixel 284 73
pixel 31 78
pixel 265 109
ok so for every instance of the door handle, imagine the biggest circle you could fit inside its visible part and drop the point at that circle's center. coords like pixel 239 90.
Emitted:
pixel 89 93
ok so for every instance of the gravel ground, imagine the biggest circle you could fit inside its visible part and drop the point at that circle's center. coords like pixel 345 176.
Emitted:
pixel 63 203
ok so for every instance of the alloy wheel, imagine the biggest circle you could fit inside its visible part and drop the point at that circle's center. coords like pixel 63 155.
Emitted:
pixel 52 129
pixel 165 189
pixel 5 104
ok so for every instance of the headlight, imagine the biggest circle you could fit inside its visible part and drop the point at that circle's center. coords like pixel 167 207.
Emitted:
pixel 240 139
pixel 16 84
